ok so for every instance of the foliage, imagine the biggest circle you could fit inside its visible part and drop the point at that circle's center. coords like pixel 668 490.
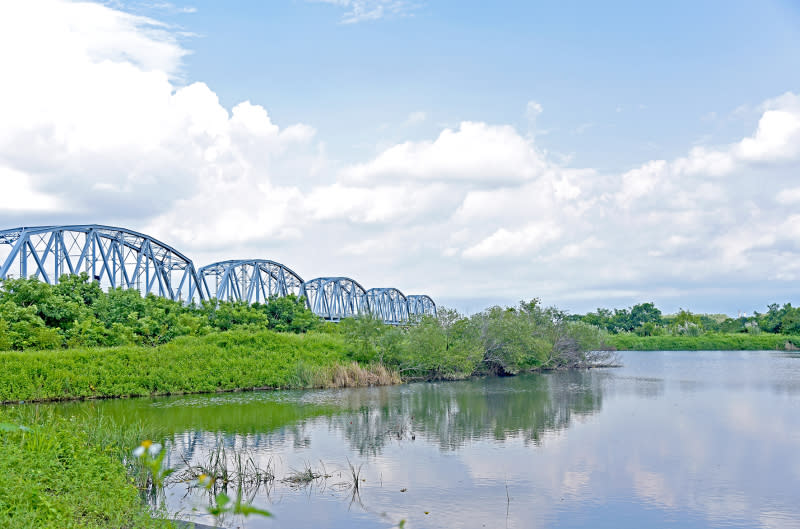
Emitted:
pixel 290 314
pixel 219 361
pixel 76 313
pixel 54 475
pixel 499 340
pixel 447 347
pixel 647 320
pixel 704 342
pixel 205 359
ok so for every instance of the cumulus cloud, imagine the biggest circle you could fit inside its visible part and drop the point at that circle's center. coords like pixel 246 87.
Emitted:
pixel 97 123
pixel 475 152
pixel 512 243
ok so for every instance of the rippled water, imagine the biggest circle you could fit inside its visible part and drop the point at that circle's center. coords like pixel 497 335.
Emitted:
pixel 672 439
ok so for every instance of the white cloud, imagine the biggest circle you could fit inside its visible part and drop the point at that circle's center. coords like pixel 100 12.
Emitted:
pixel 96 123
pixel 415 118
pixel 533 110
pixel 513 243
pixel 788 196
pixel 366 10
pixel 475 152
pixel 17 194
pixel 95 114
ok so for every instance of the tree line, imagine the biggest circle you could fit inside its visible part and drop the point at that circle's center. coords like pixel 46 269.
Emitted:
pixel 645 319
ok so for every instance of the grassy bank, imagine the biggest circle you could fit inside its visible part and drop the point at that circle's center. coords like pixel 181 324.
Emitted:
pixel 704 342
pixel 54 474
pixel 225 361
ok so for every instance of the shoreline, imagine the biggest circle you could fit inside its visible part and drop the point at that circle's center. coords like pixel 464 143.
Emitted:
pixel 705 342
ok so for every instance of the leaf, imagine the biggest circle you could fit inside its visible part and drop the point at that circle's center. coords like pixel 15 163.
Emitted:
pixel 223 500
pixel 247 509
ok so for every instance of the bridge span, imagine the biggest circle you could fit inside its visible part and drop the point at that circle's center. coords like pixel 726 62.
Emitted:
pixel 122 258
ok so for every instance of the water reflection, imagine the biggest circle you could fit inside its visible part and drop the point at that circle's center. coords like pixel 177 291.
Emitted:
pixel 450 415
pixel 670 440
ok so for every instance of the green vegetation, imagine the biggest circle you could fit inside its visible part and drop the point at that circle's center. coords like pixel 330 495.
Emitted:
pixel 55 474
pixel 72 340
pixel 221 361
pixel 77 313
pixel 644 327
pixel 704 342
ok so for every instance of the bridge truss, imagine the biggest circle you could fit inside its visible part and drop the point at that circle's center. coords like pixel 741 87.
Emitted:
pixel 334 298
pixel 421 305
pixel 118 257
pixel 253 280
pixel 115 257
pixel 388 304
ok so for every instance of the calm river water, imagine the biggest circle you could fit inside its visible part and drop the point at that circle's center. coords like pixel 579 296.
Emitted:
pixel 672 439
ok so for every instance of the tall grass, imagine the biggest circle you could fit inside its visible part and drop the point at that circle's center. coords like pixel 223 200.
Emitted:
pixel 54 474
pixel 224 361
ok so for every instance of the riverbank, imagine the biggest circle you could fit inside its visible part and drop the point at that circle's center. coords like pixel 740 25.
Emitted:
pixel 227 361
pixel 704 342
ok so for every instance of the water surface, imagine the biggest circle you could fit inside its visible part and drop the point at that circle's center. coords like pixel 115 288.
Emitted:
pixel 672 439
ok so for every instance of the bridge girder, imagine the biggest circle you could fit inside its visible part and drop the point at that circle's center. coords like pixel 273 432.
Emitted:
pixel 250 280
pixel 115 257
pixel 388 304
pixel 334 298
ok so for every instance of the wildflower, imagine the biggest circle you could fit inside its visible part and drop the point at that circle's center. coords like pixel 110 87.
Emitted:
pixel 205 481
pixel 149 446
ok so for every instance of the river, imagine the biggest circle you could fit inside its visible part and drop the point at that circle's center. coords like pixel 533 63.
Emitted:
pixel 672 439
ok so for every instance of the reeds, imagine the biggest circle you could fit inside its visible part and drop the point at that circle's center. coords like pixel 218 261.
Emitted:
pixel 350 375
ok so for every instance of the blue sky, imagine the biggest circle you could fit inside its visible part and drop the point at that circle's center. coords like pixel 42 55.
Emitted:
pixel 619 81
pixel 591 154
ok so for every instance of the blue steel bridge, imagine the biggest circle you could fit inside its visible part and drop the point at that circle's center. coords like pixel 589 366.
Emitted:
pixel 119 257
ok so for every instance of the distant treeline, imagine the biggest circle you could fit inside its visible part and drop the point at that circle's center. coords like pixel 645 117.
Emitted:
pixel 645 319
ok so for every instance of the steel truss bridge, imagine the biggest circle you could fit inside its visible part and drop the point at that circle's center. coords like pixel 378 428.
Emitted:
pixel 118 257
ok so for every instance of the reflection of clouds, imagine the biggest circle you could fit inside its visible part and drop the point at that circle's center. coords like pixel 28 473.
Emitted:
pixel 652 487
pixel 779 520
pixel 744 418
pixel 622 447
pixel 575 482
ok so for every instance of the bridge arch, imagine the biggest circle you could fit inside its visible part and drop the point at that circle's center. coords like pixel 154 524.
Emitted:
pixel 115 257
pixel 250 280
pixel 388 304
pixel 419 304
pixel 334 298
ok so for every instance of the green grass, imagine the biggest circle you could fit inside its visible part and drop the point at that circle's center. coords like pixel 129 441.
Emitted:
pixel 223 361
pixel 56 475
pixel 704 342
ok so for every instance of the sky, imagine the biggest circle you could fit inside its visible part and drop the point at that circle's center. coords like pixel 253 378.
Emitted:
pixel 589 154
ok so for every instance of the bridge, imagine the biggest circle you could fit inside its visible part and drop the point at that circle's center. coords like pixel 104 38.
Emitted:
pixel 122 258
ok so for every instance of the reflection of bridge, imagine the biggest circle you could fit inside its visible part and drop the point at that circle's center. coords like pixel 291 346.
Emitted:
pixel 118 257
